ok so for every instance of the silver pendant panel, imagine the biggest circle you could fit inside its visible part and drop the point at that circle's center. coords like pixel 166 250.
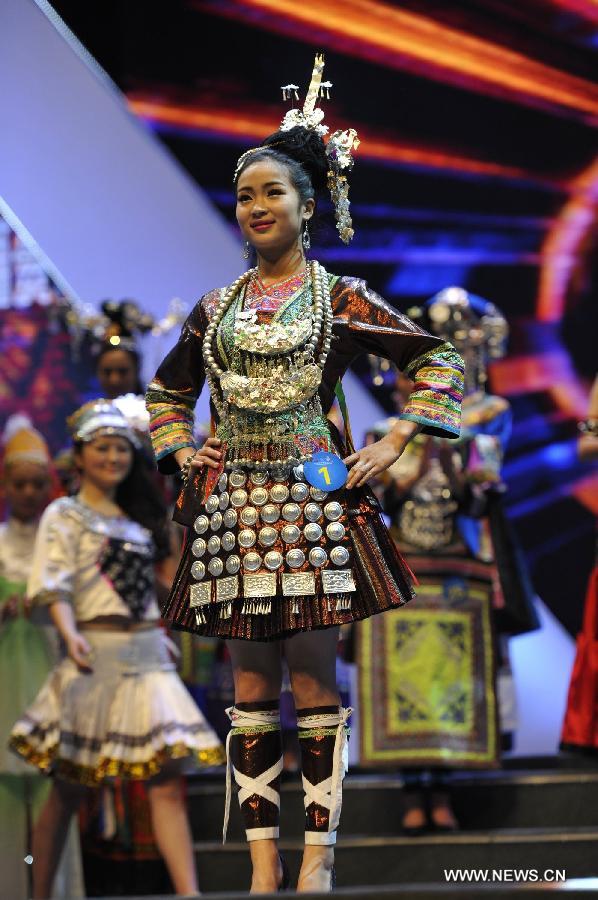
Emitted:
pixel 281 504
pixel 211 504
pixel 262 585
pixel 249 516
pixel 201 524
pixel 198 570
pixel 198 547
pixel 270 514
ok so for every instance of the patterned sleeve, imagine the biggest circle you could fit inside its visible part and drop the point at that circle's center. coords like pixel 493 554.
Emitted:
pixel 373 326
pixel 53 566
pixel 171 396
pixel 435 401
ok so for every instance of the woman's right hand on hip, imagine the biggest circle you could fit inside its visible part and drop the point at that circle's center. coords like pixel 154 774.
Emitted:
pixel 208 455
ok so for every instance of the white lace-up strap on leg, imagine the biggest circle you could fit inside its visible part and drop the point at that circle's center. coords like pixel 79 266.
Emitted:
pixel 260 785
pixel 329 793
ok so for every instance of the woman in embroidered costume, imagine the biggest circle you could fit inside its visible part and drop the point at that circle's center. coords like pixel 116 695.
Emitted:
pixel 445 502
pixel 115 707
pixel 28 650
pixel 580 726
pixel 274 563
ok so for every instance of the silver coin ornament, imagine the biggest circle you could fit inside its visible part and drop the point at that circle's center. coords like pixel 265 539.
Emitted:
pixel 267 536
pixel 295 558
pixel 198 547
pixel 224 500
pixel 291 512
pixel 298 472
pixel 333 510
pixel 339 556
pixel 216 521
pixel 223 482
pixel 252 562
pixel 214 544
pixel 299 491
pixel 233 564
pixel 270 513
pixel 249 516
pixel 312 512
pixel 238 497
pixel 312 532
pixel 317 557
pixel 215 566
pixel 290 534
pixel 228 541
pixel 201 524
pixel 335 531
pixel 230 518
pixel 317 494
pixel 237 479
pixel 259 478
pixel 212 503
pixel 259 496
pixel 198 570
pixel 273 560
pixel 279 476
pixel 279 493
pixel 246 538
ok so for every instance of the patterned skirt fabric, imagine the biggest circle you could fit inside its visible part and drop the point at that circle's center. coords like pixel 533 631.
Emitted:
pixel 268 558
pixel 127 718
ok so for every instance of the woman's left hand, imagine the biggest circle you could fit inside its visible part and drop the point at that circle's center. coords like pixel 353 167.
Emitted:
pixel 370 461
pixel 375 458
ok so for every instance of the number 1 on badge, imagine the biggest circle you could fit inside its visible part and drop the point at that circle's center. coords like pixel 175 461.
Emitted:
pixel 324 472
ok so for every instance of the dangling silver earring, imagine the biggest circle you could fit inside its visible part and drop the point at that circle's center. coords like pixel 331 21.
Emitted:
pixel 306 240
pixel 245 251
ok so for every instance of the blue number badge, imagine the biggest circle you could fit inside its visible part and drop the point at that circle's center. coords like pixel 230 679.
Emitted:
pixel 326 471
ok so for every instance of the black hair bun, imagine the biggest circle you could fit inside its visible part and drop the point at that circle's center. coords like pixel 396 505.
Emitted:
pixel 306 147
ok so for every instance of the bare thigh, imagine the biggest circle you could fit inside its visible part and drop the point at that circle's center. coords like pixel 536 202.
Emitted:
pixel 257 670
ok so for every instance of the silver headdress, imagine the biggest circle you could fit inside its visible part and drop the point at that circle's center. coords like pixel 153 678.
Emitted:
pixel 99 418
pixel 339 147
pixel 475 326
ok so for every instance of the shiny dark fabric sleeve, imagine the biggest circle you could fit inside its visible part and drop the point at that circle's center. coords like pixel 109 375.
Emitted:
pixel 172 394
pixel 365 323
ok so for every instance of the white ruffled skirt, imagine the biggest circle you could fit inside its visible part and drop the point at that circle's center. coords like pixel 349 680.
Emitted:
pixel 127 718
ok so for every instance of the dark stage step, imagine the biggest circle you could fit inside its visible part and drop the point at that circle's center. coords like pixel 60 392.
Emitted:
pixel 419 891
pixel 562 798
pixel 400 860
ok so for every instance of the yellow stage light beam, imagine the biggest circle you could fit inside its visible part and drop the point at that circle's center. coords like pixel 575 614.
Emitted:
pixel 561 249
pixel 416 43
pixel 253 127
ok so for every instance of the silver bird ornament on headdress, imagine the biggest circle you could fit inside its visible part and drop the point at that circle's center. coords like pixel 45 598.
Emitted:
pixel 339 147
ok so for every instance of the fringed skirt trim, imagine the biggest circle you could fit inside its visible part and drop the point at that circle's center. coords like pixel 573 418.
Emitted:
pixel 128 717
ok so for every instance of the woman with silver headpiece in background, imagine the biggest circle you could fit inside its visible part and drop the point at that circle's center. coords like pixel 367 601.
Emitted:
pixel 115 707
pixel 28 651
pixel 284 546
pixel 445 502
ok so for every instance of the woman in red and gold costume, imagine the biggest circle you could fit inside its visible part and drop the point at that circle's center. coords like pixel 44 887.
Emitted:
pixel 580 728
pixel 285 546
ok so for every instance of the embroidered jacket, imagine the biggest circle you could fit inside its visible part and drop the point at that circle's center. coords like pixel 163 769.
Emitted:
pixel 363 323
pixel 101 564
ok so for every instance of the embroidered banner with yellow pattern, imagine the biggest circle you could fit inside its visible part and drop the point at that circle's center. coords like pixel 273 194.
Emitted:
pixel 426 678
